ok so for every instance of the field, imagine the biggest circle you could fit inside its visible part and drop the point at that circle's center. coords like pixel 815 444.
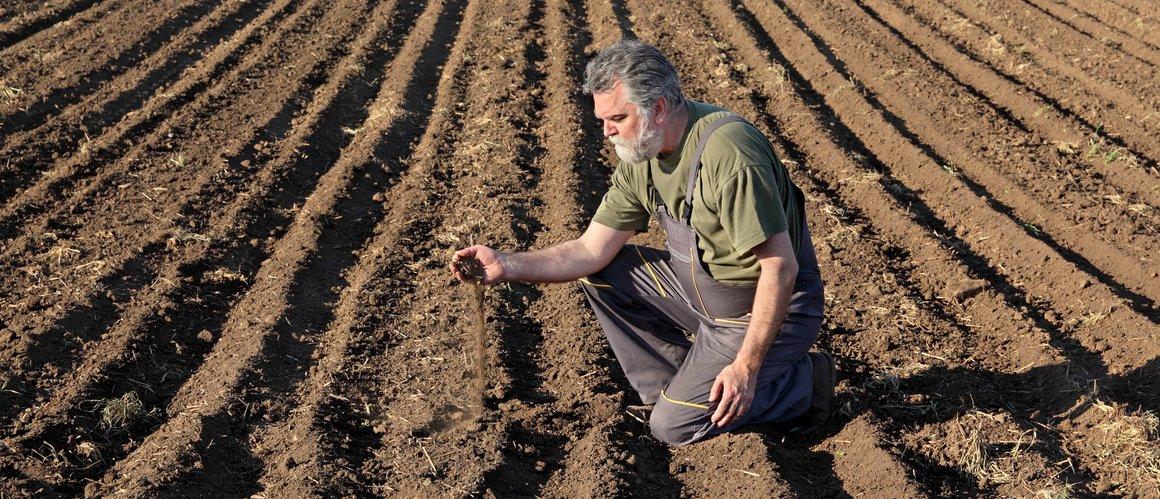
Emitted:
pixel 225 225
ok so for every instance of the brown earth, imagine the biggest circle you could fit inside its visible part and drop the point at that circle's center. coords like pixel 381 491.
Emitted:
pixel 225 228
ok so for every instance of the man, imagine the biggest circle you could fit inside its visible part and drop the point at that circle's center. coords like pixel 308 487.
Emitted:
pixel 738 272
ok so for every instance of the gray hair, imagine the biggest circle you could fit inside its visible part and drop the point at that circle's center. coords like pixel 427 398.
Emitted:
pixel 647 75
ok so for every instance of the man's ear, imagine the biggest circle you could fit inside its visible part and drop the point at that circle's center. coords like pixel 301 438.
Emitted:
pixel 660 110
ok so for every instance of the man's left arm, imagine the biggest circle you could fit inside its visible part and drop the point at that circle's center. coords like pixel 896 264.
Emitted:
pixel 734 387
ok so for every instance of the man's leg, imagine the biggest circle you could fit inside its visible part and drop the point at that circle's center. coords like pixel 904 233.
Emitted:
pixel 784 383
pixel 643 313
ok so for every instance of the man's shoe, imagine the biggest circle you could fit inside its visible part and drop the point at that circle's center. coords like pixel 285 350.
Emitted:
pixel 825 378
pixel 822 398
pixel 640 412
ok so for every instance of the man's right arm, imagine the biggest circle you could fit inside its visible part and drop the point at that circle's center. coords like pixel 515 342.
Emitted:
pixel 563 262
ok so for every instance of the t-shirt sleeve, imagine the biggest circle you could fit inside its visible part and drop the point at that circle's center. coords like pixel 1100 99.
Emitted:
pixel 749 207
pixel 622 208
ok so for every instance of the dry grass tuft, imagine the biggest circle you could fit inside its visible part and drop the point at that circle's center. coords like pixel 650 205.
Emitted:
pixel 179 160
pixel 980 438
pixel 61 254
pixel 1125 445
pixel 997 450
pixel 9 92
pixel 1058 492
pixel 120 413
pixel 778 79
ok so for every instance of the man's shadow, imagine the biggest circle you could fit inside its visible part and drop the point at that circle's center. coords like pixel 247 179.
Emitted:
pixel 1033 400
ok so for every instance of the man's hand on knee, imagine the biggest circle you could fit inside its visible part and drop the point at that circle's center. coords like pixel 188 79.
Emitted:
pixel 732 394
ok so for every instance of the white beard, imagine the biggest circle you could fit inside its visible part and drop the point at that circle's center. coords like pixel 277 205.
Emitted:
pixel 644 147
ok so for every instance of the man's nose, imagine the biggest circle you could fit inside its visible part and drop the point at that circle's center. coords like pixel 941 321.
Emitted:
pixel 609 129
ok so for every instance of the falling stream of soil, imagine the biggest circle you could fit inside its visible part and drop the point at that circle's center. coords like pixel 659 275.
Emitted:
pixel 477 294
pixel 472 268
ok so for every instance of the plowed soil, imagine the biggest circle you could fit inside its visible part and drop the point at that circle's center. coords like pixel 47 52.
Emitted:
pixel 225 228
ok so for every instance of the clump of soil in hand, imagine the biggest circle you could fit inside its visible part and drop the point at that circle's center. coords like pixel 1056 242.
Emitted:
pixel 471 268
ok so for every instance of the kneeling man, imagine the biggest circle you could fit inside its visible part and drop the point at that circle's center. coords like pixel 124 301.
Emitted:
pixel 714 330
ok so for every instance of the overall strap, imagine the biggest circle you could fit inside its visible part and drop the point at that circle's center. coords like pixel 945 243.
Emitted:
pixel 695 164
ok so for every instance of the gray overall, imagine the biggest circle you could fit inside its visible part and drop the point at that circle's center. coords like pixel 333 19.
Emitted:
pixel 645 300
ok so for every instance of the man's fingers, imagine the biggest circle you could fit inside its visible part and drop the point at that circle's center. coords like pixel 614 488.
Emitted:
pixel 730 413
pixel 739 410
pixel 719 414
pixel 728 398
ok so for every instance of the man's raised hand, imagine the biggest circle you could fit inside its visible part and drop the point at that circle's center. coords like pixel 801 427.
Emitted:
pixel 494 264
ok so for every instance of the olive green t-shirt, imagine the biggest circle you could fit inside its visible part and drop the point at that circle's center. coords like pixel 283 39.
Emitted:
pixel 742 197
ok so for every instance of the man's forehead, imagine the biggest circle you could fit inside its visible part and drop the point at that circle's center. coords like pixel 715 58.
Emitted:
pixel 609 103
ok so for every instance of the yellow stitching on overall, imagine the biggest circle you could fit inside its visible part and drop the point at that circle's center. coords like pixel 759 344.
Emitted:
pixel 590 283
pixel 693 277
pixel 682 402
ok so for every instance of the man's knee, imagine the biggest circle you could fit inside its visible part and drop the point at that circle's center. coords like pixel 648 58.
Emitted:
pixel 611 277
pixel 678 425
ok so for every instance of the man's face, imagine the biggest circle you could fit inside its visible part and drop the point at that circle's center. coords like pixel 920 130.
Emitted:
pixel 636 139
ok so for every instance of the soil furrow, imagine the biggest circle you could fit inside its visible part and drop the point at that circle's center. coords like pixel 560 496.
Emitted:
pixel 359 420
pixel 1124 272
pixel 1117 17
pixel 1055 124
pixel 25 25
pixel 1098 54
pixel 187 96
pixel 1127 90
pixel 261 333
pixel 426 429
pixel 932 102
pixel 536 420
pixel 1060 91
pixel 69 128
pixel 1097 32
pixel 607 25
pixel 1097 21
pixel 933 257
pixel 200 136
pixel 74 83
pixel 241 151
pixel 548 330
pixel 959 207
pixel 289 467
pixel 1140 8
pixel 318 137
